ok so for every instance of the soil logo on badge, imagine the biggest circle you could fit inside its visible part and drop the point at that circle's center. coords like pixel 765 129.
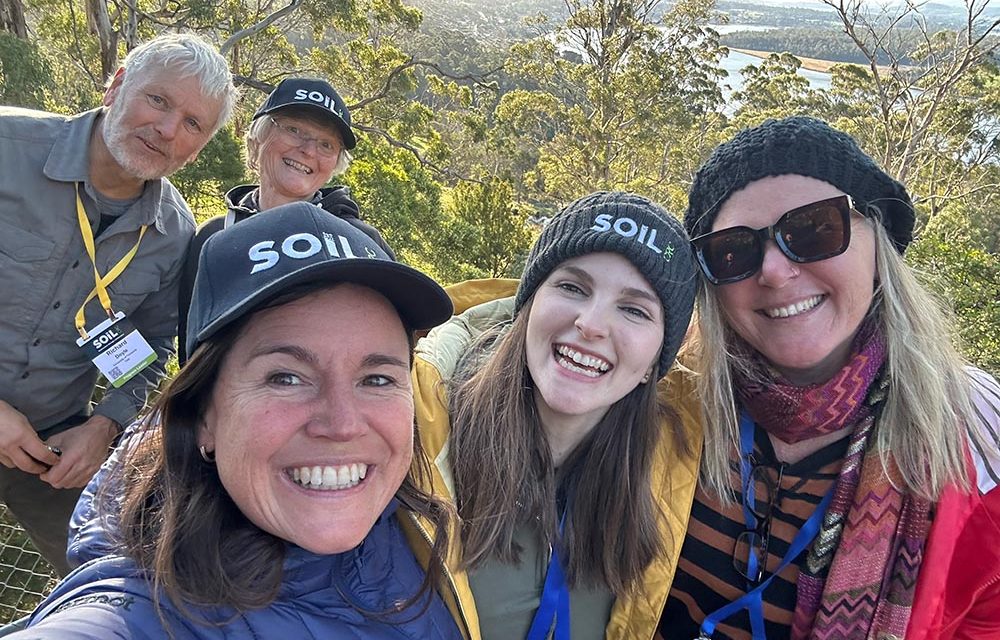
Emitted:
pixel 106 338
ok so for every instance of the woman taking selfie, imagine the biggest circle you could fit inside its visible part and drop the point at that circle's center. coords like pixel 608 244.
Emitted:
pixel 571 478
pixel 270 494
pixel 850 467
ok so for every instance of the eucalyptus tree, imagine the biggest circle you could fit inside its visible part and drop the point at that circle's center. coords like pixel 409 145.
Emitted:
pixel 913 75
pixel 927 106
pixel 774 88
pixel 618 96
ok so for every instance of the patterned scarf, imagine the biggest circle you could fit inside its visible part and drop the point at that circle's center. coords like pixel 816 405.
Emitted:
pixel 792 413
pixel 860 574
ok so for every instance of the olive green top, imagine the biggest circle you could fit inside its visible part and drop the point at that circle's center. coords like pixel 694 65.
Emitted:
pixel 507 595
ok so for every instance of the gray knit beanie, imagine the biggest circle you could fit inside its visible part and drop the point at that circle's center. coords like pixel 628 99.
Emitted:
pixel 630 225
pixel 807 147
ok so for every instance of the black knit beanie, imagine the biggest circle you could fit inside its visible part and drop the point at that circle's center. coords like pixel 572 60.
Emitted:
pixel 630 225
pixel 807 147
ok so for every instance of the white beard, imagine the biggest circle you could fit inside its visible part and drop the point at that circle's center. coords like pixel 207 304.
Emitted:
pixel 116 139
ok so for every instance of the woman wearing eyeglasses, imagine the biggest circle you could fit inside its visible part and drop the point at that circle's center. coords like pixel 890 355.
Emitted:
pixel 300 138
pixel 850 467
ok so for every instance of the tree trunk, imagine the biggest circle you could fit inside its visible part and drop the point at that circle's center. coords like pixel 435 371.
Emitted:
pixel 12 18
pixel 130 26
pixel 100 25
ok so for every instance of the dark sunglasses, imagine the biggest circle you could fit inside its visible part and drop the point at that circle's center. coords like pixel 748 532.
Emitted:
pixel 809 233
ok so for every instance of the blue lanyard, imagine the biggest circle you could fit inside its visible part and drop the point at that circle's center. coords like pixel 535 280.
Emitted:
pixel 753 600
pixel 554 603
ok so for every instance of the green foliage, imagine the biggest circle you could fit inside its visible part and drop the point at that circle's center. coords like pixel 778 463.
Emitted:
pixel 400 198
pixel 25 75
pixel 73 52
pixel 950 254
pixel 774 88
pixel 618 86
pixel 218 168
pixel 492 231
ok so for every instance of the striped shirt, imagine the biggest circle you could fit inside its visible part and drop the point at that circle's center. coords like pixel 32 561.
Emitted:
pixel 706 578
pixel 985 443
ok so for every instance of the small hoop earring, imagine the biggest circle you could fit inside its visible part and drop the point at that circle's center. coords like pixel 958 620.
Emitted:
pixel 207 456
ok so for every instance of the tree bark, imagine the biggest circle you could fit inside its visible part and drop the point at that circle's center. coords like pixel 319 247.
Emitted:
pixel 99 22
pixel 12 18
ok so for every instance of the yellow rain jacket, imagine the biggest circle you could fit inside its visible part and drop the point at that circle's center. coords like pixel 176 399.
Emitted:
pixel 481 304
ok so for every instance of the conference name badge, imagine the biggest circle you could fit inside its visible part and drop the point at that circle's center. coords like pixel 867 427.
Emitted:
pixel 118 349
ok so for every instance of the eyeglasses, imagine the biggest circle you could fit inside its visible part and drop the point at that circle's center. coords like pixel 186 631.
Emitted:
pixel 326 147
pixel 809 233
pixel 750 552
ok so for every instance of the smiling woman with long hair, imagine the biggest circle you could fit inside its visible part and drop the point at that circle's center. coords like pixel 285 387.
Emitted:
pixel 849 483
pixel 569 473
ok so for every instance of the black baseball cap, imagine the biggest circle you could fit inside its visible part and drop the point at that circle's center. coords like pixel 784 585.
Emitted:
pixel 248 264
pixel 311 93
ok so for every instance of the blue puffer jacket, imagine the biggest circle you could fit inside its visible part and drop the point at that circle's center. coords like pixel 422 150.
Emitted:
pixel 321 597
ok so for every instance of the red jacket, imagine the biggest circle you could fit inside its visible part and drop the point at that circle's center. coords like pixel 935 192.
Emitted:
pixel 958 591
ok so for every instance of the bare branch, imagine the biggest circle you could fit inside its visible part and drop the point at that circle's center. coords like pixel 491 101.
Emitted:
pixel 258 27
pixel 252 82
pixel 160 18
pixel 79 49
pixel 387 85
pixel 992 187
pixel 447 172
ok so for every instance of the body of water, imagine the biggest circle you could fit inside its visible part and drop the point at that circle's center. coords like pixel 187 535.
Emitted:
pixel 723 29
pixel 736 61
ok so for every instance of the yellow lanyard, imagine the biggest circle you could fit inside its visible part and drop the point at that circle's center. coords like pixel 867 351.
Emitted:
pixel 100 283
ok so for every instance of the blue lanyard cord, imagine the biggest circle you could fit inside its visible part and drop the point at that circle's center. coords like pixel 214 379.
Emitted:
pixel 754 599
pixel 554 603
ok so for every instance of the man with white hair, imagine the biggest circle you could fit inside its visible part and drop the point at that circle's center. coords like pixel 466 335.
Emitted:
pixel 92 241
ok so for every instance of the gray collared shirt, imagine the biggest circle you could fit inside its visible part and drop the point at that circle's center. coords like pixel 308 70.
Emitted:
pixel 45 272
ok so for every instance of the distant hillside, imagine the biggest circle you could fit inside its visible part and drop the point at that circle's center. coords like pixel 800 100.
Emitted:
pixel 766 15
pixel 938 15
pixel 488 20
pixel 824 44
pixel 505 21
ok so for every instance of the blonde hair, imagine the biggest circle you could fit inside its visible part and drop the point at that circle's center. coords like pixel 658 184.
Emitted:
pixel 928 411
